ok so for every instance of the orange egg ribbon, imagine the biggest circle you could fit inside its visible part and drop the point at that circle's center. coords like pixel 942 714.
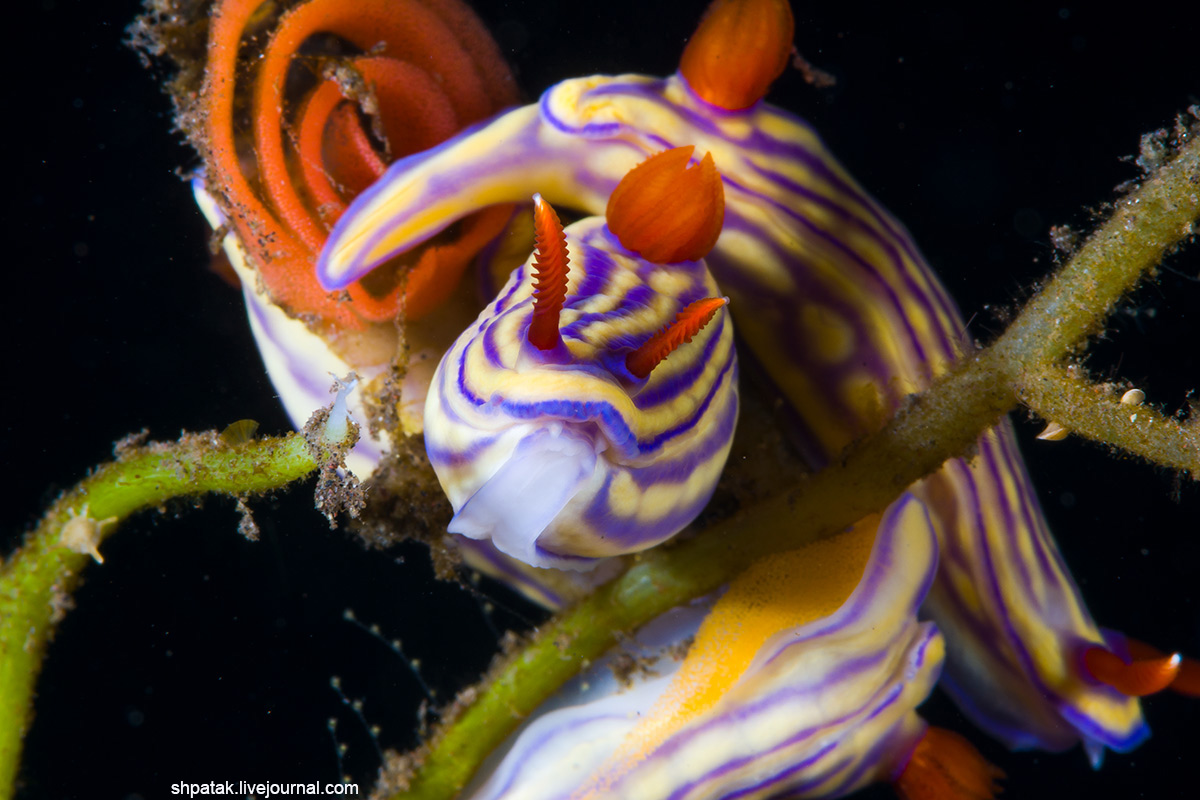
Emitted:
pixel 424 69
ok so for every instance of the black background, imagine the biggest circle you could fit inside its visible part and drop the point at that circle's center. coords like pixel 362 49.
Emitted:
pixel 195 655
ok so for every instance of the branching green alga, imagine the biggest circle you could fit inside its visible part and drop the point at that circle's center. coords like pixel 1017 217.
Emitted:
pixel 37 580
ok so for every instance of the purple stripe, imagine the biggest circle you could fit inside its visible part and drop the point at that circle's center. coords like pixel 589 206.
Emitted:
pixel 838 245
pixel 1008 531
pixel 744 713
pixel 825 377
pixel 487 340
pixel 356 268
pixel 486 552
pixel 616 429
pixel 632 530
pixel 448 457
pixel 717 435
pixel 1049 557
pixel 916 268
pixel 1109 738
pixel 1000 613
pixel 501 303
pixel 911 290
pixel 880 565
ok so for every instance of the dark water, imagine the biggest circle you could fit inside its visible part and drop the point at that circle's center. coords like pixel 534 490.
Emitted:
pixel 197 656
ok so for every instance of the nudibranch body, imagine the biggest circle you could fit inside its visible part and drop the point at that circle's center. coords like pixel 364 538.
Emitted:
pixel 834 300
pixel 588 436
pixel 801 682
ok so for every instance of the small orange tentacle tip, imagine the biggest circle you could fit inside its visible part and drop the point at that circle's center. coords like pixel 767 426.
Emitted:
pixel 945 766
pixel 688 323
pixel 666 211
pixel 1187 680
pixel 550 268
pixel 738 50
pixel 1138 678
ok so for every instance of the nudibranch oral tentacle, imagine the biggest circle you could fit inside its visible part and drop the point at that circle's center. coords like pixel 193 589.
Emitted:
pixel 835 301
pixel 563 455
pixel 801 682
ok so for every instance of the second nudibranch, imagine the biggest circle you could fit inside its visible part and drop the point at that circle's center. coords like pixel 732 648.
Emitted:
pixel 834 301
pixel 589 410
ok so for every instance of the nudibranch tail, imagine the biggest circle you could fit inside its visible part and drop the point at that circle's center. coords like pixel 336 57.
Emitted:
pixel 550 274
pixel 1136 678
pixel 688 323
pixel 666 211
pixel 418 70
pixel 738 50
pixel 945 766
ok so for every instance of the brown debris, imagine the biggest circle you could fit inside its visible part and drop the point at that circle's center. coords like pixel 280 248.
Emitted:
pixel 247 527
pixel 813 76
pixel 127 445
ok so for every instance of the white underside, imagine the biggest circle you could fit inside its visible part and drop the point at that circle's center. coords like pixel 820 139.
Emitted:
pixel 521 500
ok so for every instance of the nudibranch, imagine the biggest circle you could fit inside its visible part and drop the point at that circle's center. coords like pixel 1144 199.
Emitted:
pixel 303 105
pixel 833 299
pixel 801 681
pixel 589 410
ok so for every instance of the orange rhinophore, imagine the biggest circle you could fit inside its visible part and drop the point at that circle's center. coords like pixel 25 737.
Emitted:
pixel 550 273
pixel 1138 678
pixel 945 766
pixel 738 50
pixel 378 80
pixel 688 323
pixel 666 211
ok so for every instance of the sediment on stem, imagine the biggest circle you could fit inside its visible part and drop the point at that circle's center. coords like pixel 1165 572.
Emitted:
pixel 37 580
pixel 1097 412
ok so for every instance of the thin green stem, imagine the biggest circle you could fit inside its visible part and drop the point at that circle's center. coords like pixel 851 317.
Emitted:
pixel 36 580
pixel 1097 413
pixel 1075 305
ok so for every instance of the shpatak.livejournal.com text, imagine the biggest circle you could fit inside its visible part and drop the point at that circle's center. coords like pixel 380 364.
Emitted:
pixel 265 790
